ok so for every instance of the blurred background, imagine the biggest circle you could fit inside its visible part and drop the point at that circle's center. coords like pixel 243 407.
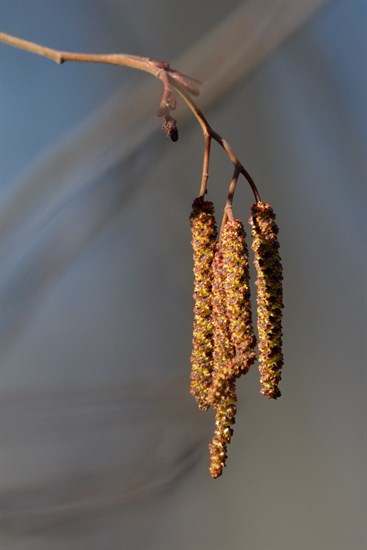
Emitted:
pixel 101 445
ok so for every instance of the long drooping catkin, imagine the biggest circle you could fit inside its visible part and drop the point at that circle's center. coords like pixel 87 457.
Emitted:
pixel 225 413
pixel 204 236
pixel 223 352
pixel 269 297
pixel 237 290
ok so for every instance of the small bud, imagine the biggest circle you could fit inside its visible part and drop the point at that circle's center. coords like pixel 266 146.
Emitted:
pixel 170 129
pixel 269 297
pixel 204 235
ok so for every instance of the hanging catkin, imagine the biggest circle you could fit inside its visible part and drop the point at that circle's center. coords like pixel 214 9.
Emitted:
pixel 204 236
pixel 269 297
pixel 223 352
pixel 237 290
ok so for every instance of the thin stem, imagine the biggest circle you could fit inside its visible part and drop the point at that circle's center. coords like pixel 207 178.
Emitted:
pixel 251 182
pixel 232 189
pixel 228 212
pixel 198 114
pixel 205 172
pixel 133 61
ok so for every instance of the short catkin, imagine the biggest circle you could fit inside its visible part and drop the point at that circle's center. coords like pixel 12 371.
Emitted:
pixel 238 300
pixel 204 237
pixel 269 297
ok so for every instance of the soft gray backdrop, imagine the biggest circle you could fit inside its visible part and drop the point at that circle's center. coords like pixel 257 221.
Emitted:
pixel 102 448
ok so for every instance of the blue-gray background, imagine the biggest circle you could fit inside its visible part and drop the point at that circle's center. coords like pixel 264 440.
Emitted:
pixel 101 445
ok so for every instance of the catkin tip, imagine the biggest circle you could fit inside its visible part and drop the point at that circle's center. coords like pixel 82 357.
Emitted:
pixel 225 413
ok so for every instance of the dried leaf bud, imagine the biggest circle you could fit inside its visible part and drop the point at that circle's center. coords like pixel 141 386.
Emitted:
pixel 225 412
pixel 169 127
pixel 238 300
pixel 223 349
pixel 204 235
pixel 269 297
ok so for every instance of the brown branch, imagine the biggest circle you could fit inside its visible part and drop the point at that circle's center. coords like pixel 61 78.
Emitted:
pixel 133 61
pixel 170 78
pixel 231 191
pixel 205 171
pixel 209 132
pixel 228 213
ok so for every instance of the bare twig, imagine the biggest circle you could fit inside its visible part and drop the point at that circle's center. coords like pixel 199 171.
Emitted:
pixel 205 172
pixel 133 61
pixel 170 78
pixel 228 213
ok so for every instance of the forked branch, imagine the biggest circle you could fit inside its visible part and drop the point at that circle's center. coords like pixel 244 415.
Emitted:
pixel 172 80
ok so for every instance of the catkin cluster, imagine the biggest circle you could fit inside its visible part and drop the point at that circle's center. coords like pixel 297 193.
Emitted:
pixel 224 342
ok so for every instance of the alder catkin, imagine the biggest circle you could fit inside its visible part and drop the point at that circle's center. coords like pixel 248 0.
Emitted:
pixel 237 290
pixel 204 236
pixel 269 297
pixel 225 413
pixel 223 349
